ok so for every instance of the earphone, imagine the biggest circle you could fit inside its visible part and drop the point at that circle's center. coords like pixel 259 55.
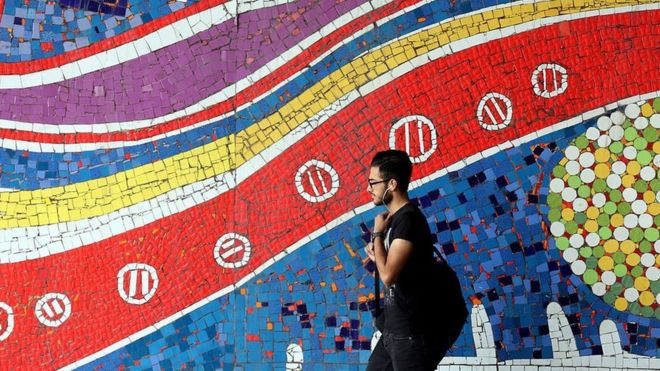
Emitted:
pixel 382 198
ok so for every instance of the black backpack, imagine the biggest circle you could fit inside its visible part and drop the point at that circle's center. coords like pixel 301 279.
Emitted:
pixel 447 310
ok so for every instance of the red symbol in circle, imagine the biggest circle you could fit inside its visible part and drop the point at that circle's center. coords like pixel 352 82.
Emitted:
pixel 316 181
pixel 6 321
pixel 137 283
pixel 232 250
pixel 53 309
pixel 416 135
pixel 549 80
pixel 494 111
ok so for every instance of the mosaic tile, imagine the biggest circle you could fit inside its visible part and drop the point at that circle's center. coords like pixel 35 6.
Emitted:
pixel 180 182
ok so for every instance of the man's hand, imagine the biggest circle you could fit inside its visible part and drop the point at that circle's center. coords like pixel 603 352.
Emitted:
pixel 381 222
pixel 369 249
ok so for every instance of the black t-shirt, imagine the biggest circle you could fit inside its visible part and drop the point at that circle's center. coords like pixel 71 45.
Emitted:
pixel 406 304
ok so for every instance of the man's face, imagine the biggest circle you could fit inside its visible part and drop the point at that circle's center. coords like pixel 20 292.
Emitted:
pixel 377 187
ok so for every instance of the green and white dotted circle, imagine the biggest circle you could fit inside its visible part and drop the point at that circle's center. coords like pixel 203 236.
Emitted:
pixel 605 208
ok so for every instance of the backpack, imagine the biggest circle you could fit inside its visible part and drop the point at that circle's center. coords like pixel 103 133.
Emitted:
pixel 447 310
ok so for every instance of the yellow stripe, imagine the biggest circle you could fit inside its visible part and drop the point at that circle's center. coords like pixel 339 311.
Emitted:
pixel 102 196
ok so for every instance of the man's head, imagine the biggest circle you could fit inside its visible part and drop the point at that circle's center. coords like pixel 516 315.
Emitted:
pixel 390 173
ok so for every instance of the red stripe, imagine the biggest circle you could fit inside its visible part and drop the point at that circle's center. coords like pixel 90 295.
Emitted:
pixel 267 209
pixel 245 96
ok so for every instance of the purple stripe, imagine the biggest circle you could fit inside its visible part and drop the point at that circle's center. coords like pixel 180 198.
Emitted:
pixel 176 76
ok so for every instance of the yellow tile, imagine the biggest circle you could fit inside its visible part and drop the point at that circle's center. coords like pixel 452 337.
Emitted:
pixel 149 193
pixel 117 203
pixel 551 12
pixel 391 63
pixel 381 68
pixel 74 214
pixel 21 209
pixel 387 51
pixel 493 24
pixel 527 8
pixel 43 219
pixel 25 196
pixel 257 147
pixel 567 4
pixel 400 59
pixel 554 4
pixel 78 203
pixel 295 104
pixel 462 32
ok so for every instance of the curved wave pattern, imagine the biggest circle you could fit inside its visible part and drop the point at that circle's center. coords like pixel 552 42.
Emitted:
pixel 283 121
pixel 490 220
pixel 169 78
pixel 196 178
pixel 249 261
pixel 57 169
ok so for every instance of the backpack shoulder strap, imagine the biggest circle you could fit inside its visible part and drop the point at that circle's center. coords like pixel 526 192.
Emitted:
pixel 437 252
pixel 377 289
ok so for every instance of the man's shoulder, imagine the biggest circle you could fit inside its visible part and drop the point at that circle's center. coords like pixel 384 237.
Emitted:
pixel 409 215
pixel 409 210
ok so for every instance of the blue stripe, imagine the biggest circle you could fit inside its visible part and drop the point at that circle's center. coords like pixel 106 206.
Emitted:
pixel 62 25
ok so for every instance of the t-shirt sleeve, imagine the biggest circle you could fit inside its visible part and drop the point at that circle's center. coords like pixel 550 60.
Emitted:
pixel 403 228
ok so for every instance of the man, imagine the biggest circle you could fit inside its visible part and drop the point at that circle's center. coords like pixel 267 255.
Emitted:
pixel 402 248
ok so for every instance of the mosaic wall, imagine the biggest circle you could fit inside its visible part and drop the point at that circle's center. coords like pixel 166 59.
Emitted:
pixel 183 183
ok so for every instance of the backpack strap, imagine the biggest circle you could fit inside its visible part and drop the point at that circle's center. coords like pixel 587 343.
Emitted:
pixel 437 252
pixel 377 289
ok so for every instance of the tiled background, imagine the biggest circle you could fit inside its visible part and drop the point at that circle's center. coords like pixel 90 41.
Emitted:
pixel 183 183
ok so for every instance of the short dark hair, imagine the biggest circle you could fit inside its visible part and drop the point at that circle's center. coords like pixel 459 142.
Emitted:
pixel 394 164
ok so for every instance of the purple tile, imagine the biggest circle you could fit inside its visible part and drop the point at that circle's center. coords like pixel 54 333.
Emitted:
pixel 189 70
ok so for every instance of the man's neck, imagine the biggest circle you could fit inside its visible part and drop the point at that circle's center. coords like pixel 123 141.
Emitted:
pixel 398 201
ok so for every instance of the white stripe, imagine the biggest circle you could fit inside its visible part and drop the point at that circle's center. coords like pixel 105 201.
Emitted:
pixel 27 243
pixel 406 130
pixel 49 312
pixel 145 283
pixel 490 114
pixel 231 252
pixel 350 215
pixel 311 181
pixel 228 244
pixel 132 282
pixel 239 86
pixel 320 178
pixel 420 134
pixel 218 97
pixel 57 307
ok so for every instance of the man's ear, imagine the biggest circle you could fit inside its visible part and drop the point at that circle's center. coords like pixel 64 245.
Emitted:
pixel 392 185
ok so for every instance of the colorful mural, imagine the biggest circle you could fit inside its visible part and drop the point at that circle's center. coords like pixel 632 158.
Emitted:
pixel 182 183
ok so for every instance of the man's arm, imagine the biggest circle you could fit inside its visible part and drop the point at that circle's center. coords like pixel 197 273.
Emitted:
pixel 390 264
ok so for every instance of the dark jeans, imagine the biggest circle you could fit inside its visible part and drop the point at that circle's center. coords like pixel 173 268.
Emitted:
pixel 414 352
